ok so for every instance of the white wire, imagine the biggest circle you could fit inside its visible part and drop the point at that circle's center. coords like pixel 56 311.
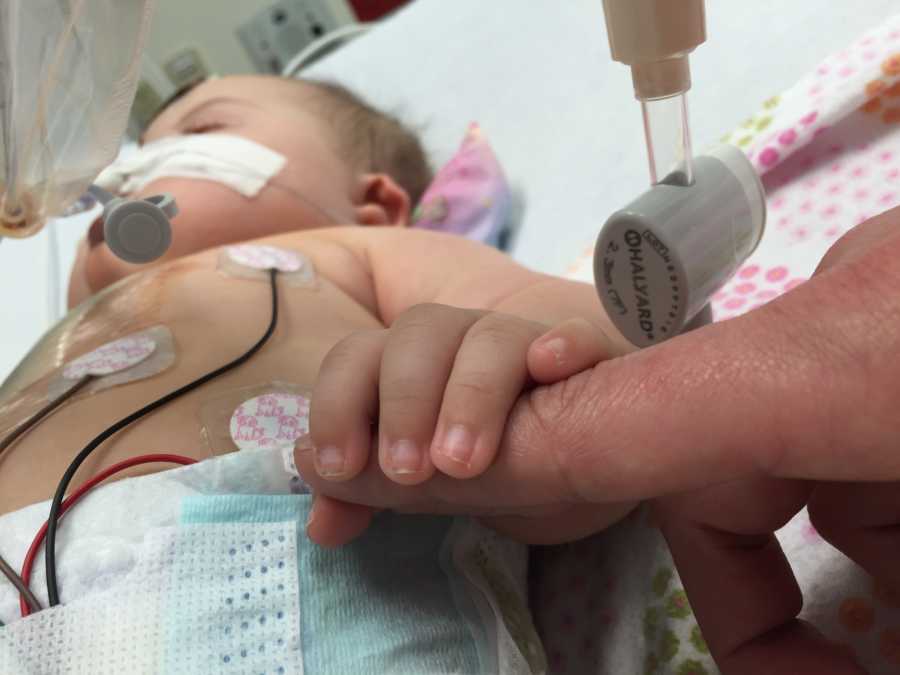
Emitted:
pixel 322 45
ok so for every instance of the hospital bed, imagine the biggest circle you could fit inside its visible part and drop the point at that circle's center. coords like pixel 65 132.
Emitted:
pixel 538 78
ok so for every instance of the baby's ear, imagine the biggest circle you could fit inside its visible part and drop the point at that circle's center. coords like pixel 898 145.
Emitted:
pixel 379 200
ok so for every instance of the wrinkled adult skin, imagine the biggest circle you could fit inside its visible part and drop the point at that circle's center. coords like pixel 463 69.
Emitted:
pixel 730 430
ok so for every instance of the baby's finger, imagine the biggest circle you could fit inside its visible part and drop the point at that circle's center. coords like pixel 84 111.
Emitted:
pixel 344 404
pixel 333 523
pixel 415 366
pixel 488 375
pixel 567 349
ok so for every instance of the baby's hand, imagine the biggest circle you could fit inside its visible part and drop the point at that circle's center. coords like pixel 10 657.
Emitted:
pixel 439 384
pixel 438 368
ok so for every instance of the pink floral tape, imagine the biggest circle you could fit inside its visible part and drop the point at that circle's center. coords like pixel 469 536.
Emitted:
pixel 111 357
pixel 270 421
pixel 262 257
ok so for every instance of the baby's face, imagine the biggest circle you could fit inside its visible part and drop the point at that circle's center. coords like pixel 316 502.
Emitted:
pixel 270 111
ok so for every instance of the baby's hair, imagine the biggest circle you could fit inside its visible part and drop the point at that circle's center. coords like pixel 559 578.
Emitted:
pixel 373 140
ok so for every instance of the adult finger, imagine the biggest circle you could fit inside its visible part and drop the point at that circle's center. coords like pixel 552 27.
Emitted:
pixel 863 521
pixel 571 523
pixel 739 583
pixel 778 391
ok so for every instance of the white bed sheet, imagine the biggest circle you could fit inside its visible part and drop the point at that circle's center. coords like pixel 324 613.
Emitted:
pixel 538 77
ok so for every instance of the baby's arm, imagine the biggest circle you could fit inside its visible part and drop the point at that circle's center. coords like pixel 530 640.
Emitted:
pixel 413 267
pixel 465 326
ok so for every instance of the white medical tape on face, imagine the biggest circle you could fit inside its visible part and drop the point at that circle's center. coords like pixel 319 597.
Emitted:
pixel 233 161
pixel 127 359
pixel 267 416
pixel 253 261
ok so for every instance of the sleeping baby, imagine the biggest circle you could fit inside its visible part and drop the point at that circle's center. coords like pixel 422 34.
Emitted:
pixel 413 344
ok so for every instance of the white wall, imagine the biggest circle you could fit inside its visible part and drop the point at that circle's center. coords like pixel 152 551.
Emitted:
pixel 209 26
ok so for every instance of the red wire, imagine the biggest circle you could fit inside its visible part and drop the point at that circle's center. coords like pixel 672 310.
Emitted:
pixel 73 498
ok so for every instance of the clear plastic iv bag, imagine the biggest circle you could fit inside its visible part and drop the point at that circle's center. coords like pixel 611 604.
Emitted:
pixel 68 73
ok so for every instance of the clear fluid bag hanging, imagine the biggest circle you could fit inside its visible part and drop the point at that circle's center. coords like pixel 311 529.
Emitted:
pixel 68 73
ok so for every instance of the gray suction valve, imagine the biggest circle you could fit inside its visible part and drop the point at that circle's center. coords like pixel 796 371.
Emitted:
pixel 659 260
pixel 137 230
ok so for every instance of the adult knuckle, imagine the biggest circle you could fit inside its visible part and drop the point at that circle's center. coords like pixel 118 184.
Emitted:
pixel 555 422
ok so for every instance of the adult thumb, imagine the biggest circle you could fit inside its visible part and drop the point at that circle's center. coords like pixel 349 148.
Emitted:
pixel 807 386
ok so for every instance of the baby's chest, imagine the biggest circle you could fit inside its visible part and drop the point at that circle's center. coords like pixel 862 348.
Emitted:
pixel 262 401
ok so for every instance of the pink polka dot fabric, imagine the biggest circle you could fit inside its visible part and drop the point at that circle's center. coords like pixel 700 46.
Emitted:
pixel 829 157
pixel 858 77
pixel 111 357
pixel 752 287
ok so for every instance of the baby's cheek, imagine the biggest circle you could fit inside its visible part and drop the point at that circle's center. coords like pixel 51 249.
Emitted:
pixel 211 215
pixel 206 213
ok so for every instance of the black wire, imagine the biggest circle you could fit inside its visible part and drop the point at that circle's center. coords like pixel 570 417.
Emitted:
pixel 11 437
pixel 53 518
pixel 8 572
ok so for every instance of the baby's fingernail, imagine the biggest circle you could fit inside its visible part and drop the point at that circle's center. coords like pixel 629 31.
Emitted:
pixel 458 444
pixel 329 461
pixel 405 458
pixel 556 346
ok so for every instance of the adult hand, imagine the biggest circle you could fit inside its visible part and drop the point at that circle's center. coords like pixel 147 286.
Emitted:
pixel 796 401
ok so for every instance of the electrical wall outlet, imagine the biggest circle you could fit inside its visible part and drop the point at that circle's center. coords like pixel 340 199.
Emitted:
pixel 279 32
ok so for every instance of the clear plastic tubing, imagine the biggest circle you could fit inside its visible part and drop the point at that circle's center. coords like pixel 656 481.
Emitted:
pixel 668 139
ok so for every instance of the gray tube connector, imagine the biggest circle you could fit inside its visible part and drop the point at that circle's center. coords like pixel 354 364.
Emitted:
pixel 136 230
pixel 659 260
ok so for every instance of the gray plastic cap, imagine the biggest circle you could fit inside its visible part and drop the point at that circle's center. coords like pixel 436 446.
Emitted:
pixel 659 260
pixel 139 231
